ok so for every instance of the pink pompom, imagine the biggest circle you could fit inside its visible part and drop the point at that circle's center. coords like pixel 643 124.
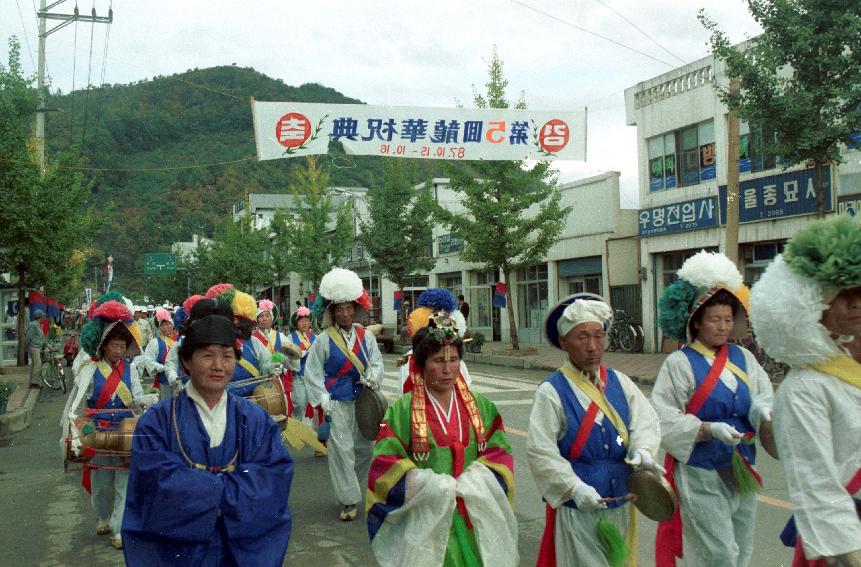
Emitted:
pixel 217 290
pixel 162 315
pixel 189 303
pixel 265 305
pixel 303 311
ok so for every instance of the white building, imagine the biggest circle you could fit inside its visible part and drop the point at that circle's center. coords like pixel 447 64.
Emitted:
pixel 186 249
pixel 682 148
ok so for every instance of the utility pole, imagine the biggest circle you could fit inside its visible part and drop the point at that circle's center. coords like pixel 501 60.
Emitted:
pixel 731 230
pixel 65 20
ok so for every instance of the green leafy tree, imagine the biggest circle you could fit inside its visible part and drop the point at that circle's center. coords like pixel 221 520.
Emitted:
pixel 45 223
pixel 281 260
pixel 799 79
pixel 319 235
pixel 398 232
pixel 236 256
pixel 513 214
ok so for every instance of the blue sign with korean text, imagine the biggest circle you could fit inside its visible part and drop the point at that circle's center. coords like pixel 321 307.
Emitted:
pixel 849 205
pixel 678 217
pixel 449 243
pixel 777 196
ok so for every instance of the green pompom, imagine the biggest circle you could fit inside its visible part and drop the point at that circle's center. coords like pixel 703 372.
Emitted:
pixel 319 308
pixel 613 543
pixel 674 309
pixel 828 251
pixel 88 428
pixel 278 358
pixel 111 296
pixel 91 335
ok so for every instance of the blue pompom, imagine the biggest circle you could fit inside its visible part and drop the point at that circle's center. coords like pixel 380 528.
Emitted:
pixel 437 298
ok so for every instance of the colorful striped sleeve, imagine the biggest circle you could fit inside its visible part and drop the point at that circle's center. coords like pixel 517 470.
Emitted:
pixel 497 455
pixel 389 465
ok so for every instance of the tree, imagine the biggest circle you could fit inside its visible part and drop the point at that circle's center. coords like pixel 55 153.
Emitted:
pixel 398 233
pixel 318 235
pixel 799 79
pixel 45 222
pixel 513 214
pixel 235 256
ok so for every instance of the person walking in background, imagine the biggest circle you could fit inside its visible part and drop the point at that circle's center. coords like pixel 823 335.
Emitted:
pixel 463 307
pixel 34 340
pixel 712 397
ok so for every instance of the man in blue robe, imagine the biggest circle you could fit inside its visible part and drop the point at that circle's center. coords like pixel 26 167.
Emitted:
pixel 210 477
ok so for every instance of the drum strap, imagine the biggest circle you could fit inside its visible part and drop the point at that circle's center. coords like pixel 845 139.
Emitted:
pixel 599 400
pixel 352 355
pixel 114 384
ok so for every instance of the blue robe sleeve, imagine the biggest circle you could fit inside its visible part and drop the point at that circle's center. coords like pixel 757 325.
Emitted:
pixel 168 504
pixel 255 506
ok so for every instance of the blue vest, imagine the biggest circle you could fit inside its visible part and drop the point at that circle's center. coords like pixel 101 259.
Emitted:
pixel 240 373
pixel 161 377
pixel 115 403
pixel 725 406
pixel 294 337
pixel 346 387
pixel 601 463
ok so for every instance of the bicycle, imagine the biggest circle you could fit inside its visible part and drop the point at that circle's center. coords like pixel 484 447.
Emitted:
pixel 625 334
pixel 53 374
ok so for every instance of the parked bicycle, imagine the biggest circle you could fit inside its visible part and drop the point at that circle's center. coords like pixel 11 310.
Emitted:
pixel 625 334
pixel 53 373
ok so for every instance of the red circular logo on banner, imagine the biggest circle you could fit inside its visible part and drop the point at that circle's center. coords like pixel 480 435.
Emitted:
pixel 293 130
pixel 554 135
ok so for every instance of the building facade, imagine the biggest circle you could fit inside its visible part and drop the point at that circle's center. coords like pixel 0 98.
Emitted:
pixel 682 157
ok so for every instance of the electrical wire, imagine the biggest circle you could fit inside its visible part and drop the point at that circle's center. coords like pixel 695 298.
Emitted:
pixel 137 169
pixel 105 51
pixel 636 27
pixel 89 77
pixel 26 35
pixel 74 73
pixel 590 32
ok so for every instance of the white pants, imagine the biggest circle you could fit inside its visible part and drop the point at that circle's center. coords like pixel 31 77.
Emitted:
pixel 36 366
pixel 109 491
pixel 300 401
pixel 717 521
pixel 576 535
pixel 349 454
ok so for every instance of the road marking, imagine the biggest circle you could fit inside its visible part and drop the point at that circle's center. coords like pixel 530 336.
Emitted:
pixel 513 403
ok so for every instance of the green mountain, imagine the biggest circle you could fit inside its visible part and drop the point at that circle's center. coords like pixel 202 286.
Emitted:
pixel 148 145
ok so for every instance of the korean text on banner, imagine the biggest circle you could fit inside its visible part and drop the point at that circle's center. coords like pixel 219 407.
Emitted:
pixel 287 129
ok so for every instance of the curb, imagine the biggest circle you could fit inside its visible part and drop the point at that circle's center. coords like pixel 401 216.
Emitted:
pixel 18 419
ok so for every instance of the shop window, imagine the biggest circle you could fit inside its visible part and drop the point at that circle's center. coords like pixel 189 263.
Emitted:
pixel 683 157
pixel 588 284
pixel 754 153
pixel 532 296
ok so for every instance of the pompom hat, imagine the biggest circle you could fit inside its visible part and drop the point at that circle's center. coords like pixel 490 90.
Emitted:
pixel 110 317
pixel 431 300
pixel 701 277
pixel 340 286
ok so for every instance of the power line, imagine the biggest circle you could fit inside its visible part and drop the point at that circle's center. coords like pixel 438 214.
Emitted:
pixel 89 74
pixel 137 169
pixel 590 32
pixel 636 27
pixel 26 36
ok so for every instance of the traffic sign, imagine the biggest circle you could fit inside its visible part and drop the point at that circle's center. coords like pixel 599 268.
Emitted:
pixel 159 263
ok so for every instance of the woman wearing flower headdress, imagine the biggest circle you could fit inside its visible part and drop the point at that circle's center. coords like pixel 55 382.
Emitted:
pixel 431 300
pixel 442 477
pixel 712 398
pixel 303 337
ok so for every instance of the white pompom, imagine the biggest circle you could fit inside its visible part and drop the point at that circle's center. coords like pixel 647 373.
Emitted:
pixel 709 270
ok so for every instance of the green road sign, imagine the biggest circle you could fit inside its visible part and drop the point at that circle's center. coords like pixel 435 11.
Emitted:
pixel 159 263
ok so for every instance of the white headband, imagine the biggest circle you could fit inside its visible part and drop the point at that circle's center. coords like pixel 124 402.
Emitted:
pixel 583 311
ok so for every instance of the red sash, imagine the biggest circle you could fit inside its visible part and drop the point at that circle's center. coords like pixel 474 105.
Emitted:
pixel 262 338
pixel 348 365
pixel 111 384
pixel 547 549
pixel 668 541
pixel 798 560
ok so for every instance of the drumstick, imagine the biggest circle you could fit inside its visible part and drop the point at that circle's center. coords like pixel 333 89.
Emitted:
pixel 630 497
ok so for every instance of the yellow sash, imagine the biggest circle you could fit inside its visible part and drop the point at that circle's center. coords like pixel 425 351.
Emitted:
pixel 122 391
pixel 249 367
pixel 842 367
pixel 338 339
pixel 588 388
pixel 710 356
pixel 305 343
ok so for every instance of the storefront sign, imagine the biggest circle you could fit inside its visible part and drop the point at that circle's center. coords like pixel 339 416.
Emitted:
pixel 449 243
pixel 777 196
pixel 849 204
pixel 678 217
pixel 290 129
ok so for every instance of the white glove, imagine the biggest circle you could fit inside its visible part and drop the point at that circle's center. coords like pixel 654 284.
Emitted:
pixel 276 369
pixel 587 498
pixel 158 368
pixel 643 460
pixel 326 405
pixel 372 382
pixel 724 432
pixel 149 400
pixel 765 414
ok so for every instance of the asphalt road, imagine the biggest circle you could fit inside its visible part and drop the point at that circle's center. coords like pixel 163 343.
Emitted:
pixel 46 520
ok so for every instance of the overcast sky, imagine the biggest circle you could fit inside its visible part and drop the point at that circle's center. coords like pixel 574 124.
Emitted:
pixel 405 53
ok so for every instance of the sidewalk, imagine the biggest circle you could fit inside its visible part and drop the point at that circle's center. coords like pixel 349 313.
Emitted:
pixel 640 367
pixel 20 405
